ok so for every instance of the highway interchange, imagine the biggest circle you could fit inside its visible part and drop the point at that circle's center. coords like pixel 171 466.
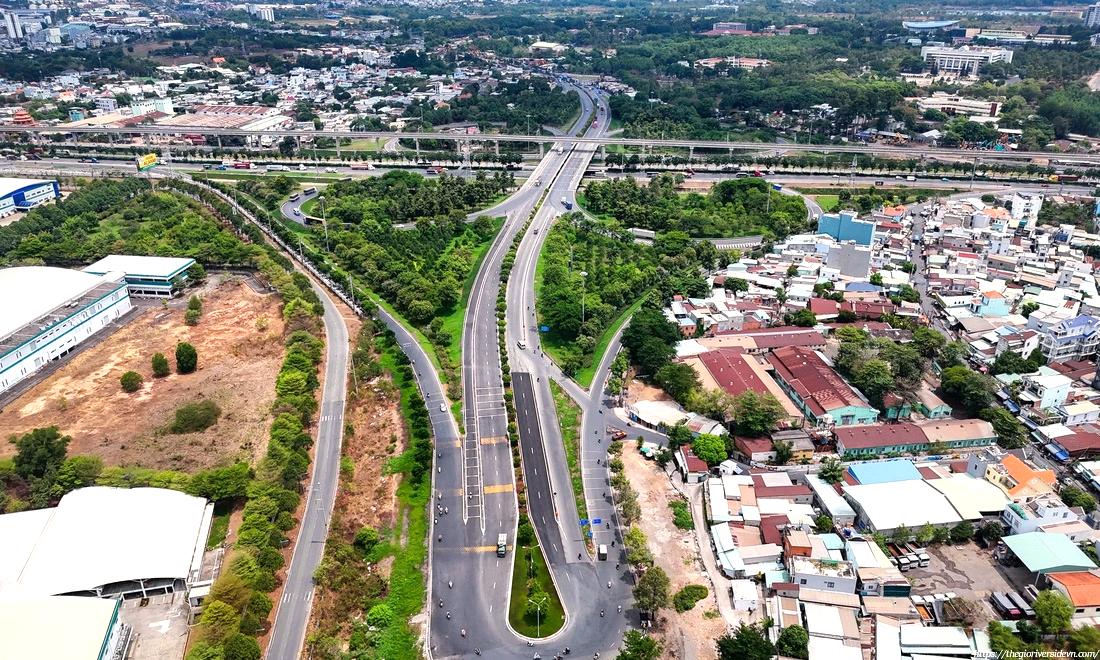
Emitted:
pixel 474 475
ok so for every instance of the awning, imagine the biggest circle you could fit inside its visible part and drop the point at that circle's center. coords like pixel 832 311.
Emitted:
pixel 1056 452
pixel 1012 407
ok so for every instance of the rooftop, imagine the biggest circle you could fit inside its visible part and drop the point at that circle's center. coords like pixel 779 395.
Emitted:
pixel 139 266
pixel 36 297
pixel 884 471
pixel 866 437
pixel 1048 553
pixel 815 381
pixel 86 622
pixel 1083 587
pixel 911 503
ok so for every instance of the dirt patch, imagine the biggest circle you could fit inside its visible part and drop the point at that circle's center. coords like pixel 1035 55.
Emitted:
pixel 691 634
pixel 237 369
pixel 640 390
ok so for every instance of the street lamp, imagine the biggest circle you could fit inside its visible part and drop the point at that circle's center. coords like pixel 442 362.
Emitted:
pixel 538 614
pixel 584 274
pixel 324 220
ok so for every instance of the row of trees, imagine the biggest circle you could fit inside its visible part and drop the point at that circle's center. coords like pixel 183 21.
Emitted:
pixel 736 207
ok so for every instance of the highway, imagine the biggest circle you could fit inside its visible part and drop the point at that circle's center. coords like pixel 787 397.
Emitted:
pixel 730 146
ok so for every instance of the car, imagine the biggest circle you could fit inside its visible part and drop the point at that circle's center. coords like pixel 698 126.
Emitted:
pixel 330 170
pixel 943 178
pixel 1045 185
pixel 297 211
pixel 207 166
pixel 536 230
pixel 57 158
pixel 442 407
pixel 93 160
pixel 223 167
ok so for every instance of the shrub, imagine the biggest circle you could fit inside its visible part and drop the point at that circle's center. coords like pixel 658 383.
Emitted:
pixel 192 316
pixel 187 358
pixel 686 598
pixel 194 304
pixel 366 539
pixel 681 516
pixel 196 417
pixel 160 366
pixel 131 381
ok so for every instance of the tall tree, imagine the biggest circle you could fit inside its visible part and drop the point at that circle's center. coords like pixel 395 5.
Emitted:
pixel 40 451
pixel 754 415
pixel 651 592
pixel 637 646
pixel 748 642
pixel 793 642
pixel 1053 611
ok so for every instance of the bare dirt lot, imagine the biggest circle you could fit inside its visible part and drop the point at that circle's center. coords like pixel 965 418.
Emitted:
pixel 969 572
pixel 691 634
pixel 237 369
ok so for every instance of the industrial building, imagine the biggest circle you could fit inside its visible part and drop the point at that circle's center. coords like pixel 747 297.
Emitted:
pixel 48 312
pixel 965 59
pixel 25 194
pixel 105 542
pixel 91 625
pixel 146 277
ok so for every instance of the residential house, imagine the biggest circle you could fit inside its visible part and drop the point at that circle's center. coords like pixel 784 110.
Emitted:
pixel 1077 414
pixel 755 450
pixel 818 390
pixel 693 468
pixel 1083 590
pixel 1021 480
pixel 1043 392
pixel 1024 518
pixel 907 438
pixel 990 303
pixel 1072 339
pixel 930 405
pixel 822 574
pixel 896 407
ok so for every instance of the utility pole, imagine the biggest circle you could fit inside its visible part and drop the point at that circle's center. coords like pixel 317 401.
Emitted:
pixel 324 221
pixel 584 276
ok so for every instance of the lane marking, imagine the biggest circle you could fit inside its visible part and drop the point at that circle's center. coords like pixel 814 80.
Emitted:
pixel 494 439
pixel 499 488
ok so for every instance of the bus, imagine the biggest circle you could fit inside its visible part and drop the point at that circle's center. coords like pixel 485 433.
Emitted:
pixel 242 165
pixel 295 197
pixel 276 168
pixel 1003 605
pixel 362 166
pixel 309 191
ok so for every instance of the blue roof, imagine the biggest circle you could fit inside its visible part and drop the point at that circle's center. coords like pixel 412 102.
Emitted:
pixel 862 287
pixel 1078 321
pixel 885 472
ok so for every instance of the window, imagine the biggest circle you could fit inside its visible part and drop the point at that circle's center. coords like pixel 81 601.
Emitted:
pixel 802 581
pixel 1080 610
pixel 830 585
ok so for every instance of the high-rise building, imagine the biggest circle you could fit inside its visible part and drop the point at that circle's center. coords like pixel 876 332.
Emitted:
pixel 1092 16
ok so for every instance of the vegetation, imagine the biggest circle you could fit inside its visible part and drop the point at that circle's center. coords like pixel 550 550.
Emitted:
pixel 187 358
pixel 569 419
pixel 1074 496
pixel 195 417
pixel 793 642
pixel 736 207
pixel 637 646
pixel 681 515
pixel 651 591
pixel 686 598
pixel 131 381
pixel 160 365
pixel 748 642
pixel 523 106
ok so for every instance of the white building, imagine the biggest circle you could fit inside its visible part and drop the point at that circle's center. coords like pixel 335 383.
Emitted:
pixel 48 311
pixel 1046 510
pixel 1025 208
pixel 25 194
pixel 966 59
pixel 1092 16
pixel 957 105
pixel 823 574
pixel 147 277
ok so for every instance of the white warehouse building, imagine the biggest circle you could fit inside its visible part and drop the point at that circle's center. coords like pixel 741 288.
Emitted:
pixel 25 194
pixel 48 311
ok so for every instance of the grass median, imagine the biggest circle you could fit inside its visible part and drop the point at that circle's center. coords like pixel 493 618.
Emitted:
pixel 569 419
pixel 531 581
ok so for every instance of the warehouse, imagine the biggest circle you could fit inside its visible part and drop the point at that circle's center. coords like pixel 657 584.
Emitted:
pixel 106 542
pixel 146 277
pixel 25 194
pixel 885 507
pixel 91 625
pixel 48 312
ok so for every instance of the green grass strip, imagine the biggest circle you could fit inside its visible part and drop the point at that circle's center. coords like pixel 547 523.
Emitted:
pixel 569 419
pixel 528 561
pixel 587 374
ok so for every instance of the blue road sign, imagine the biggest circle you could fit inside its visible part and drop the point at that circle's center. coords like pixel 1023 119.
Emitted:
pixel 584 521
pixel 589 534
pixel 544 328
pixel 597 521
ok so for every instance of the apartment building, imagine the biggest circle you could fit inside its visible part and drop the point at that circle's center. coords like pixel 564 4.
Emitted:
pixel 965 59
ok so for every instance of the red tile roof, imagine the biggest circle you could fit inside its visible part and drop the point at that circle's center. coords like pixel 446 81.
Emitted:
pixel 863 437
pixel 1079 442
pixel 694 463
pixel 750 446
pixel 728 368
pixel 814 381
pixel 821 306
pixel 928 473
pixel 1083 587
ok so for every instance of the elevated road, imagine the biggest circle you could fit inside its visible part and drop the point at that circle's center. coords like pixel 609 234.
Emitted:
pixel 598 140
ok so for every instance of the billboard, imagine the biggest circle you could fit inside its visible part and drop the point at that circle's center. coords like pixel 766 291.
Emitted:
pixel 146 162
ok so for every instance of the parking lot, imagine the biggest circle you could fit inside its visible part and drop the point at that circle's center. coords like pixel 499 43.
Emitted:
pixel 968 571
pixel 160 626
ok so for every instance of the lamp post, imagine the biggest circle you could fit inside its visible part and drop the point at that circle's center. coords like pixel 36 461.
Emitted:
pixel 584 274
pixel 324 220
pixel 538 614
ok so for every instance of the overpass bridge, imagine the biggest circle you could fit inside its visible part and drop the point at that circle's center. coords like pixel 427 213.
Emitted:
pixel 463 140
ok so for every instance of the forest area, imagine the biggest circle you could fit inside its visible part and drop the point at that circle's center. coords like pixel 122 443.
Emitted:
pixel 736 207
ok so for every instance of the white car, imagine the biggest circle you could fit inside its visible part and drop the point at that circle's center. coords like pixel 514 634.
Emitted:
pixel 442 407
pixel 330 170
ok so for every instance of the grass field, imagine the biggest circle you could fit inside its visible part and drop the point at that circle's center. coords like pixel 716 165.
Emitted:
pixel 219 525
pixel 569 419
pixel 452 322
pixel 827 202
pixel 527 561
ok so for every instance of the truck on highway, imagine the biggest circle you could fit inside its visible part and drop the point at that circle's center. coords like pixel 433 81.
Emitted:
pixel 243 165
pixel 1064 178
pixel 502 545
pixel 276 168
pixel 362 166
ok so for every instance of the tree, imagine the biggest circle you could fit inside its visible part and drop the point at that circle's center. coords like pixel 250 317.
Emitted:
pixel 192 316
pixel 288 146
pixel 783 452
pixel 824 523
pixel 637 646
pixel 678 379
pixel 974 390
pixel 196 272
pixel 926 533
pixel 804 318
pixel 1085 640
pixel 992 531
pixel 953 354
pixel 686 598
pixel 876 279
pixel 748 642
pixel 928 342
pixel 874 379
pixel 131 381
pixel 194 303
pixel 1074 496
pixel 40 453
pixel 242 647
pixel 793 642
pixel 832 471
pixel 160 366
pixel 736 284
pixel 709 448
pixel 77 472
pixel 846 316
pixel 792 270
pixel 366 538
pixel 1009 362
pixel 1027 308
pixel 219 620
pixel 962 532
pixel 187 358
pixel 651 592
pixel 1011 434
pixel 1053 611
pixel 229 588
pixel 902 534
pixel 203 650
pixel 754 414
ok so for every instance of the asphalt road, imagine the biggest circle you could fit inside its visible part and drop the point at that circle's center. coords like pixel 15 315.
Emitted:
pixel 289 629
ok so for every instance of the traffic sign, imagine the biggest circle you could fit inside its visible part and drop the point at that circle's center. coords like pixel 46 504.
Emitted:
pixel 589 534
pixel 584 521
pixel 544 328
pixel 597 521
